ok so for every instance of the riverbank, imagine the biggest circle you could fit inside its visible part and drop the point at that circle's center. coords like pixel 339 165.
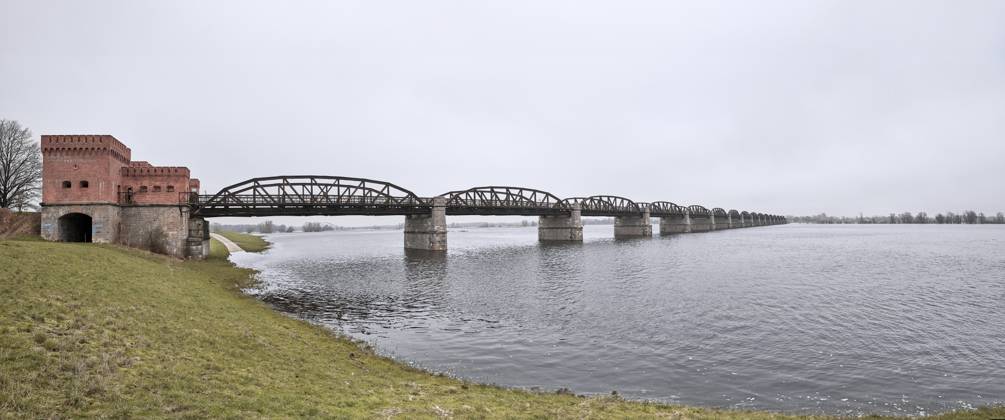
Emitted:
pixel 100 330
pixel 247 242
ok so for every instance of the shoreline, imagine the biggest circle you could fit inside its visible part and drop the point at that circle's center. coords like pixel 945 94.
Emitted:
pixel 106 330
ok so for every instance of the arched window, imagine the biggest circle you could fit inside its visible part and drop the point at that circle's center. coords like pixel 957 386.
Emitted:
pixel 157 188
pixel 143 188
pixel 67 184
pixel 84 184
pixel 170 188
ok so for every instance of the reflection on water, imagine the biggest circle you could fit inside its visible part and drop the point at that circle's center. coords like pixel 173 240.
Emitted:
pixel 835 319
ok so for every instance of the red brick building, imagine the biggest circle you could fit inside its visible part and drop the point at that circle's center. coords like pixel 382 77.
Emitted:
pixel 99 169
pixel 92 190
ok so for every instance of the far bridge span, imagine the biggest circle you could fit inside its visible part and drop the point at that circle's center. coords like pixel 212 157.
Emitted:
pixel 425 217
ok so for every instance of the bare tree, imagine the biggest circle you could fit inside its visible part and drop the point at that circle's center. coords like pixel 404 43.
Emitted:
pixel 20 166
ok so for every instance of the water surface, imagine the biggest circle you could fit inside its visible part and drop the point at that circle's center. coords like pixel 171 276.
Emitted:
pixel 799 318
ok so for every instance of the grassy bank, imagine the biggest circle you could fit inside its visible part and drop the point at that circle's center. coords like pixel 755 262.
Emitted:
pixel 98 330
pixel 247 242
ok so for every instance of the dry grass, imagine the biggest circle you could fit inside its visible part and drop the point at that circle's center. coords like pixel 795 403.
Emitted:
pixel 92 330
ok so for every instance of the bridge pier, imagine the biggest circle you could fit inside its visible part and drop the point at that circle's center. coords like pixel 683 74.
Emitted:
pixel 702 223
pixel 634 226
pixel 675 224
pixel 197 242
pixel 428 231
pixel 567 228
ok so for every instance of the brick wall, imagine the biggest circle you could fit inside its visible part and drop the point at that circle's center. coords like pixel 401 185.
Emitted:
pixel 156 184
pixel 82 169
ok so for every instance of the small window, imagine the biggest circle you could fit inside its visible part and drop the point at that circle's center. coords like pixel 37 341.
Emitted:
pixel 84 184
pixel 157 188
pixel 67 184
pixel 170 188
pixel 143 188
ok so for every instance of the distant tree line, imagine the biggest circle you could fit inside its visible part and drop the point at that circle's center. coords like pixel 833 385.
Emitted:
pixel 269 227
pixel 265 227
pixel 968 217
pixel 317 227
pixel 522 223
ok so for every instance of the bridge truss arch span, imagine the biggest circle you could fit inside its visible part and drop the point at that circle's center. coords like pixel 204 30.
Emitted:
pixel 697 210
pixel 504 200
pixel 307 195
pixel 719 212
pixel 666 209
pixel 605 205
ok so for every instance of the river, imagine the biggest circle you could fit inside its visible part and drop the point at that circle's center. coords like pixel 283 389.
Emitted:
pixel 835 319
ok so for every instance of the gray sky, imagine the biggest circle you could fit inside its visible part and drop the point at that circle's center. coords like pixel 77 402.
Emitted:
pixel 785 107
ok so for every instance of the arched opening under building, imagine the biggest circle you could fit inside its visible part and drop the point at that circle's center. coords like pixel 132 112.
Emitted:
pixel 75 227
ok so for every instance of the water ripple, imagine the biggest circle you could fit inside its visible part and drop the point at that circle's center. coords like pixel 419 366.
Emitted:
pixel 844 320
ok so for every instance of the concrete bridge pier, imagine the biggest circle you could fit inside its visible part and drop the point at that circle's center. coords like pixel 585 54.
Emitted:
pixel 675 224
pixel 729 222
pixel 702 223
pixel 561 228
pixel 428 231
pixel 634 226
pixel 717 224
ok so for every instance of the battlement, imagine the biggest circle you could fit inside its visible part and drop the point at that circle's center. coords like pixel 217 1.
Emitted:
pixel 150 170
pixel 85 145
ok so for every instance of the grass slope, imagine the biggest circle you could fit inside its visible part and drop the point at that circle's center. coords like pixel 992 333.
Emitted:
pixel 99 330
pixel 247 242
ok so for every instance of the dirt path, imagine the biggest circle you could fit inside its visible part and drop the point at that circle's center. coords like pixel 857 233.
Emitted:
pixel 231 246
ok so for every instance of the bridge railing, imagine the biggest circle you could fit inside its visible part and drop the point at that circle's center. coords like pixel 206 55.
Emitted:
pixel 505 203
pixel 256 200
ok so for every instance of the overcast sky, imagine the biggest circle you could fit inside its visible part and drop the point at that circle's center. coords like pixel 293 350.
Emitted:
pixel 793 107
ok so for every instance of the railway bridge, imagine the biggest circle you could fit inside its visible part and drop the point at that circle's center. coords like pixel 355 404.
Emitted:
pixel 560 219
pixel 92 191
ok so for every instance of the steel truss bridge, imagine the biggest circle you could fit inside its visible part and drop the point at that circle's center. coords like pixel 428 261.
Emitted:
pixel 311 195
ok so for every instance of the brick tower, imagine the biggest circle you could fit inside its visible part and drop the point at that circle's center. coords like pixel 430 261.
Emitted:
pixel 93 192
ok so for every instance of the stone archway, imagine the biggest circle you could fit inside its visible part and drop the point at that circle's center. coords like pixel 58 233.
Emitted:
pixel 75 227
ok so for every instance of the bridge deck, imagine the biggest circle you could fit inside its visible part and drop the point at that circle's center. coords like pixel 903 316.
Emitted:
pixel 312 195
